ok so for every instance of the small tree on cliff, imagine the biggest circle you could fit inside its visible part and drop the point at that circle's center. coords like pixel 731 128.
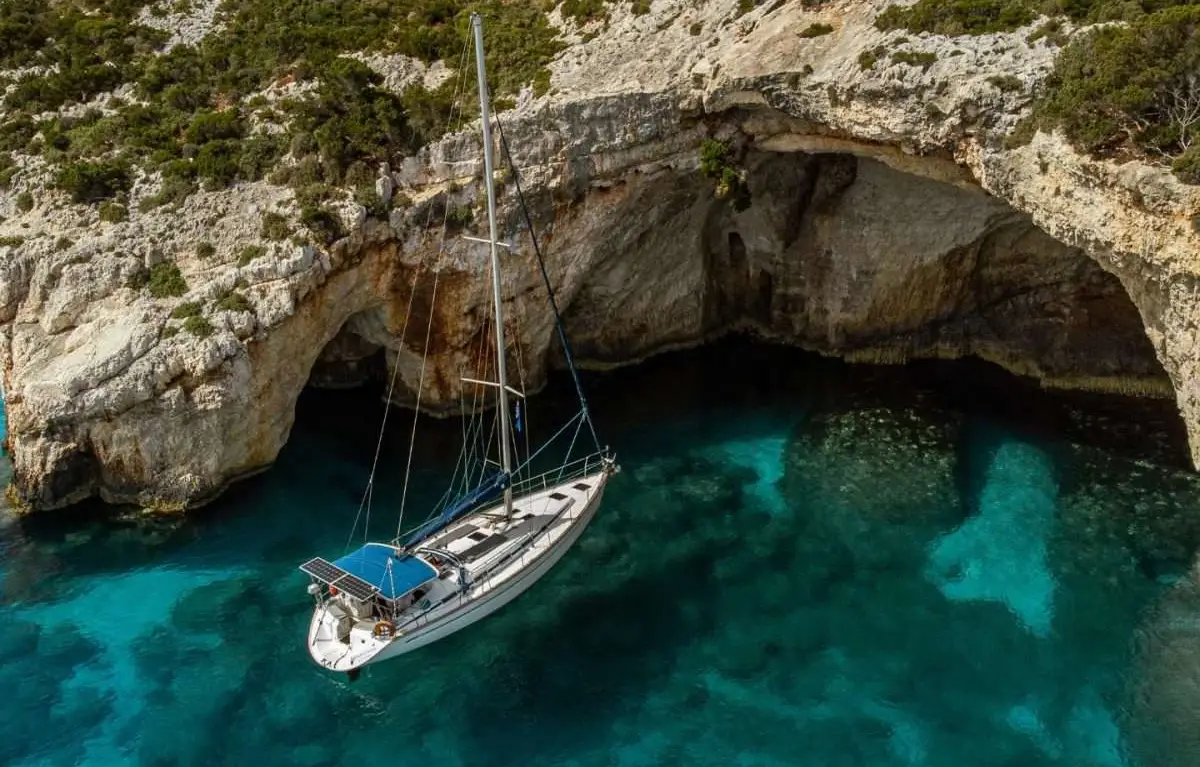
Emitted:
pixel 731 181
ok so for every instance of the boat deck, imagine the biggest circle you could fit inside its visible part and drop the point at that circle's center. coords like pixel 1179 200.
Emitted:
pixel 495 553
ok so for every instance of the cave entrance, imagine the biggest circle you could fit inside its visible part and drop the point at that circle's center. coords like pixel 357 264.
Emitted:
pixel 351 359
pixel 847 256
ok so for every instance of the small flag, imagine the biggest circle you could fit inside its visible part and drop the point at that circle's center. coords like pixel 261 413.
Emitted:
pixel 517 420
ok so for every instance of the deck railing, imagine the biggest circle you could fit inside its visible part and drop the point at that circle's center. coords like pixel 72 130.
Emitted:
pixel 578 468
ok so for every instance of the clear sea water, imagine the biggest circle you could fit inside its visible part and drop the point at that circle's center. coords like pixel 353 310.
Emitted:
pixel 802 563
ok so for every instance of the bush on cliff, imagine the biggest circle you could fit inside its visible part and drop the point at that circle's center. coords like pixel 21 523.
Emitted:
pixel 198 326
pixel 1131 90
pixel 94 181
pixel 166 281
pixel 979 17
pixel 323 223
pixel 715 163
pixel 958 17
pixel 351 119
pixel 1127 90
pixel 196 101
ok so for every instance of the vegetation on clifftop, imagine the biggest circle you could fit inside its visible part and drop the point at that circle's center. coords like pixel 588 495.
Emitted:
pixel 1130 89
pixel 1133 89
pixel 194 114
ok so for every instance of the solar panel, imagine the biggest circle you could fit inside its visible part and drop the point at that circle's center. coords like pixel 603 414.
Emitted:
pixel 355 587
pixel 322 570
pixel 334 576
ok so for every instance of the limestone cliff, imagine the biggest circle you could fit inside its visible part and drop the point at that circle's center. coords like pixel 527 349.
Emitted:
pixel 887 222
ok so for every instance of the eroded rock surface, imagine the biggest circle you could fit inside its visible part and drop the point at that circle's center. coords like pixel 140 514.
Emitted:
pixel 887 222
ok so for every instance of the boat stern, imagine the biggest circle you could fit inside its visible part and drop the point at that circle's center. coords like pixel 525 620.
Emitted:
pixel 340 641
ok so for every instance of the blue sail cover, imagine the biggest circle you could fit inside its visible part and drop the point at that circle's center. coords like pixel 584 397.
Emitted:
pixel 486 491
pixel 379 566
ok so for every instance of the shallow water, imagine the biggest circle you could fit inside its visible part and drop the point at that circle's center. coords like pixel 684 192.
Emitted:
pixel 808 564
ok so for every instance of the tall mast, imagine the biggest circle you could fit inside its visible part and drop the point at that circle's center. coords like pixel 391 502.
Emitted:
pixel 485 116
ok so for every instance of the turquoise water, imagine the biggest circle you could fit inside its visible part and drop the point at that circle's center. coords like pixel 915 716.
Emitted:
pixel 808 564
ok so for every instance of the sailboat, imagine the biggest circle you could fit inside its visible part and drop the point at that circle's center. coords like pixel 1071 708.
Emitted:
pixel 485 544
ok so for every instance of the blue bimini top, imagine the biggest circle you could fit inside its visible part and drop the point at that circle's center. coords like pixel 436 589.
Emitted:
pixel 394 575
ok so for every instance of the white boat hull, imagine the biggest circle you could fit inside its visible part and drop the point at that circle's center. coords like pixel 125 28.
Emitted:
pixel 484 596
pixel 489 603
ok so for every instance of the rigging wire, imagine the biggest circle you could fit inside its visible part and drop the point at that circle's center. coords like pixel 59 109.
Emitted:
pixel 562 335
pixel 412 438
pixel 521 374
pixel 476 423
pixel 368 493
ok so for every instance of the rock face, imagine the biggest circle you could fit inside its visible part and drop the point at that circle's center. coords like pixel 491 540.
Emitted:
pixel 887 222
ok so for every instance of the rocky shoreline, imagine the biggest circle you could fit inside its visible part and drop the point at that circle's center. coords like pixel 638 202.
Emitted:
pixel 887 222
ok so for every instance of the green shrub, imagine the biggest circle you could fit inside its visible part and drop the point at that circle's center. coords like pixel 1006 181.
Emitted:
pixel 352 120
pixel 24 202
pixel 275 227
pixel 11 242
pixel 93 46
pixel 583 11
pixel 113 212
pixel 257 155
pixel 198 326
pixel 249 253
pixel 234 302
pixel 323 223
pixel 368 197
pixel 977 17
pixel 8 169
pixel 214 126
pixel 695 29
pixel 185 310
pixel 1050 30
pixel 816 30
pixel 958 17
pixel 1186 166
pixel 166 281
pixel 139 279
pixel 17 131
pixel 1007 83
pixel 920 59
pixel 63 243
pixel 217 163
pixel 867 59
pixel 89 182
pixel 1122 89
pixel 459 217
pixel 715 164
pixel 174 191
pixel 205 250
